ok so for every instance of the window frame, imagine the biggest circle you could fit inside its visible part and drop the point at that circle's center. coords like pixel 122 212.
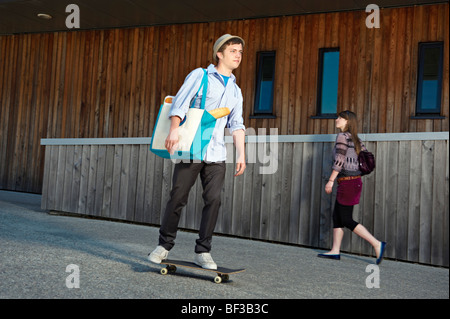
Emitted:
pixel 419 110
pixel 319 113
pixel 258 113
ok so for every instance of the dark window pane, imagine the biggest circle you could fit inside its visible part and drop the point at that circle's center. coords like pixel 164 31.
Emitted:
pixel 265 83
pixel 328 81
pixel 430 78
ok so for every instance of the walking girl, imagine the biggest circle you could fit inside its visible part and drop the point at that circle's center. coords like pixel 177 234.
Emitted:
pixel 346 172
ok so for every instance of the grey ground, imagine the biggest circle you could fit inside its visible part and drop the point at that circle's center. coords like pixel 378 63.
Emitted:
pixel 36 247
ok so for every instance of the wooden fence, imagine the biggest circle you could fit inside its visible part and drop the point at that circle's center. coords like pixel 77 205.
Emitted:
pixel 279 198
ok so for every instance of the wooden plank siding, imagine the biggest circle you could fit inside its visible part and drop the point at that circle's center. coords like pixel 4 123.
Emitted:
pixel 404 202
pixel 110 83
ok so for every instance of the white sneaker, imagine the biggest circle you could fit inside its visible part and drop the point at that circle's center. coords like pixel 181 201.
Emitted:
pixel 205 261
pixel 158 255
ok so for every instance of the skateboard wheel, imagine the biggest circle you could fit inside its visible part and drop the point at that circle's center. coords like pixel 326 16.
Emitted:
pixel 225 277
pixel 218 280
pixel 164 271
pixel 172 268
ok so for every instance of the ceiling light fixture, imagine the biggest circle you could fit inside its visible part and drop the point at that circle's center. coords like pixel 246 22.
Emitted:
pixel 44 16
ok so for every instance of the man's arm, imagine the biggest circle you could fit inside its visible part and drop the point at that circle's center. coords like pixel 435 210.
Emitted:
pixel 180 106
pixel 239 143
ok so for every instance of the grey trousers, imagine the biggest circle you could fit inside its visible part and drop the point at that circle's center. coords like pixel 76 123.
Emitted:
pixel 212 176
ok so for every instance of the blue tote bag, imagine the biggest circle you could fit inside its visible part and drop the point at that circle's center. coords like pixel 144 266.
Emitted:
pixel 195 129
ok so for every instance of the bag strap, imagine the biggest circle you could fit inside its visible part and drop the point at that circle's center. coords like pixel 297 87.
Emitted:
pixel 204 84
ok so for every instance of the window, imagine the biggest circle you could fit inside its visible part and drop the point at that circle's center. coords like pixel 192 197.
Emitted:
pixel 265 83
pixel 429 84
pixel 327 92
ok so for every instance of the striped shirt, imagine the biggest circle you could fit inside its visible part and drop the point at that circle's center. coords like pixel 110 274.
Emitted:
pixel 345 159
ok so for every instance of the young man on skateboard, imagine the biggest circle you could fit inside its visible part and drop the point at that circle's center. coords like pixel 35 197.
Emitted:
pixel 222 92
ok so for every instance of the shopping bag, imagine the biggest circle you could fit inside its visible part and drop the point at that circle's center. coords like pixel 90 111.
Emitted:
pixel 195 129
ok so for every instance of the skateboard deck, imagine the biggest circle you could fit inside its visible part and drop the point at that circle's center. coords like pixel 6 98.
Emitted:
pixel 223 274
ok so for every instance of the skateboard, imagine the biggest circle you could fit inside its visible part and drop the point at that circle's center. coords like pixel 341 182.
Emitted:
pixel 223 274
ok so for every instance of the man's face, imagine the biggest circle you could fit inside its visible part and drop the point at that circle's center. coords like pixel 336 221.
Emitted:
pixel 231 57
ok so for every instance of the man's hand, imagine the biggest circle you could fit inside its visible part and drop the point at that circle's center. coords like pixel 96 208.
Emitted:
pixel 240 167
pixel 239 143
pixel 172 139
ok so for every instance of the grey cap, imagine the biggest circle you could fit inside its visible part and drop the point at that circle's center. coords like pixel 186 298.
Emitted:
pixel 220 41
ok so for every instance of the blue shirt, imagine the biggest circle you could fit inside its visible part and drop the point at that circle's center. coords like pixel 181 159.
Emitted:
pixel 225 79
pixel 218 95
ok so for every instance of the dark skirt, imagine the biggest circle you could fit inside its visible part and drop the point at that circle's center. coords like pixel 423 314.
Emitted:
pixel 349 192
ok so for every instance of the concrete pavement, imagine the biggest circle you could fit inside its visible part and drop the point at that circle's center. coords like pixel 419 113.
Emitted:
pixel 42 254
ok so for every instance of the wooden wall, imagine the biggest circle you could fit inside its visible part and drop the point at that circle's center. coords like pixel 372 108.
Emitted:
pixel 405 201
pixel 110 83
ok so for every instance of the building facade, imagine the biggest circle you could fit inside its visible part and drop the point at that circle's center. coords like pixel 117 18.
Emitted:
pixel 298 71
